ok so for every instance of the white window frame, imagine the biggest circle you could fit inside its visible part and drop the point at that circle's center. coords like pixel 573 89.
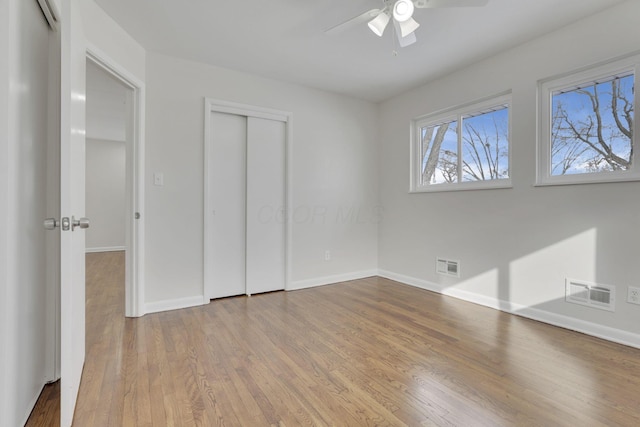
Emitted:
pixel 546 88
pixel 449 115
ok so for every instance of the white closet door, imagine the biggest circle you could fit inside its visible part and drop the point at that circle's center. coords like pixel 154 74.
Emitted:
pixel 227 185
pixel 265 205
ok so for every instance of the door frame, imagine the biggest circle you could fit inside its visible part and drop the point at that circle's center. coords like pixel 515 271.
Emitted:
pixel 134 193
pixel 212 105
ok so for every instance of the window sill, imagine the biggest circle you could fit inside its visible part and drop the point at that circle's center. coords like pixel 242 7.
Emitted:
pixel 586 179
pixel 466 186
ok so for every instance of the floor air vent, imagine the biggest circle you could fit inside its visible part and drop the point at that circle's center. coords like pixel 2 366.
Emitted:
pixel 590 294
pixel 448 267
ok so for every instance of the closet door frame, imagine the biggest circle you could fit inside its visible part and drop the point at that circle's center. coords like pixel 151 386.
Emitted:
pixel 220 106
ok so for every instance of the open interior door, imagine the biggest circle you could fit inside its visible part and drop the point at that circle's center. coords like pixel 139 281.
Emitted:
pixel 72 207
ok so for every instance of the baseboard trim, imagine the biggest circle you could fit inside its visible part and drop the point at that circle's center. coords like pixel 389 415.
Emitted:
pixel 173 304
pixel 328 280
pixel 105 249
pixel 589 328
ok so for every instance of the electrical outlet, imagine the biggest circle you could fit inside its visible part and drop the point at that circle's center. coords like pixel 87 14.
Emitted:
pixel 634 295
pixel 327 255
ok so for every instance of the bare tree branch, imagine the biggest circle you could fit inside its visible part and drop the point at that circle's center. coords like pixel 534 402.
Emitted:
pixel 483 156
pixel 615 96
pixel 434 154
pixel 590 140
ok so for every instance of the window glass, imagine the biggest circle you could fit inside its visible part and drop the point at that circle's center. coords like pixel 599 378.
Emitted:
pixel 592 127
pixel 586 125
pixel 485 146
pixel 462 148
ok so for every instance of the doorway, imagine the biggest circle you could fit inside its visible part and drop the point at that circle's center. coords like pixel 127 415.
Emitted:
pixel 114 154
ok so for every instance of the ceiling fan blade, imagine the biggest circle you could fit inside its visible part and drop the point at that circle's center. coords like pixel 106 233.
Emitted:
pixel 422 4
pixel 368 15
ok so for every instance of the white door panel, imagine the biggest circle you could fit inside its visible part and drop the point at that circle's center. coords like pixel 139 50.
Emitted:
pixel 26 360
pixel 72 200
pixel 227 184
pixel 265 205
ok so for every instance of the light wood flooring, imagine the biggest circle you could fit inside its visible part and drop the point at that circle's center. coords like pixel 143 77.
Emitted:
pixel 369 352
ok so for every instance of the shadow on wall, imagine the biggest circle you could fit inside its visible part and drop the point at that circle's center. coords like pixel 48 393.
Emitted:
pixel 517 251
pixel 533 284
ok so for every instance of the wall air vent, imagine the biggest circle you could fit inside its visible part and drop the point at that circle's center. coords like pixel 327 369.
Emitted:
pixel 448 267
pixel 590 294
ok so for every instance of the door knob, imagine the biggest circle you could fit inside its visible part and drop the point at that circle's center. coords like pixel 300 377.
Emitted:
pixel 51 223
pixel 81 222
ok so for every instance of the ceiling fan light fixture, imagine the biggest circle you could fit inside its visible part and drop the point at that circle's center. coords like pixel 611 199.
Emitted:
pixel 404 41
pixel 407 27
pixel 379 23
pixel 408 40
pixel 403 10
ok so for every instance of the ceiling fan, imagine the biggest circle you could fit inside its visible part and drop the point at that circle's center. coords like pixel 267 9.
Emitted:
pixel 400 12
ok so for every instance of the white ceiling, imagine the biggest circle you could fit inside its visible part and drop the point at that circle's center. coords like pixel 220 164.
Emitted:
pixel 285 39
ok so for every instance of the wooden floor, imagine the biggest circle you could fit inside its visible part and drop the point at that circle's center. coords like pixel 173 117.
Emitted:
pixel 366 352
pixel 47 409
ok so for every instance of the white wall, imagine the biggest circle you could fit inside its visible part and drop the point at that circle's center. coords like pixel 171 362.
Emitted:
pixel 105 190
pixel 104 34
pixel 106 105
pixel 516 245
pixel 6 30
pixel 23 132
pixel 334 175
pixel 106 111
